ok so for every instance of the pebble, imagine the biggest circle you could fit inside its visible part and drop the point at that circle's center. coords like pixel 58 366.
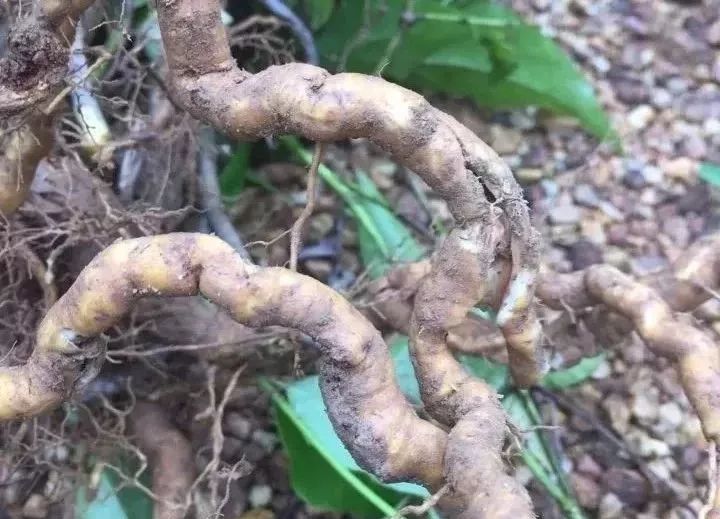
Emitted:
pixel 681 168
pixel 36 507
pixel 641 116
pixel 584 253
pixel 265 439
pixel 628 485
pixel 588 492
pixel 505 140
pixel 694 146
pixel 585 195
pixel 645 407
pixel 649 264
pixel 610 507
pixel 529 175
pixel 260 496
pixel 713 33
pixel 670 416
pixel 237 425
pixel 647 446
pixel 661 98
pixel 564 214
pixel 617 409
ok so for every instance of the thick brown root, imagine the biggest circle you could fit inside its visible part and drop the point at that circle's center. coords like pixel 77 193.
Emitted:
pixel 453 396
pixel 170 458
pixel 364 403
pixel 31 75
pixel 308 101
pixel 665 332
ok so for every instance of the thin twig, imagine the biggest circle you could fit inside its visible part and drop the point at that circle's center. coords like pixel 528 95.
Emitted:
pixel 298 27
pixel 297 227
pixel 713 497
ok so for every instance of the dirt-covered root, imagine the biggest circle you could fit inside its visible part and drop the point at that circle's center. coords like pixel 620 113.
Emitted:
pixel 170 459
pixel 308 101
pixel 370 414
pixel 31 75
pixel 478 485
pixel 667 333
pixel 20 153
pixel 695 277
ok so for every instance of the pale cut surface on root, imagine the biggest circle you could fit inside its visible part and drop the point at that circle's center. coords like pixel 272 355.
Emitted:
pixel 308 101
pixel 170 458
pixel 369 412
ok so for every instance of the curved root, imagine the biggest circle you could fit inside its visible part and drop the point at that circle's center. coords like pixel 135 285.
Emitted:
pixel 308 101
pixel 25 86
pixel 170 456
pixel 364 403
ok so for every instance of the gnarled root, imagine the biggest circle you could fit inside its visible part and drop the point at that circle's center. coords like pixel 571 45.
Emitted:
pixel 308 101
pixel 478 485
pixel 665 332
pixel 364 403
pixel 31 75
pixel 170 458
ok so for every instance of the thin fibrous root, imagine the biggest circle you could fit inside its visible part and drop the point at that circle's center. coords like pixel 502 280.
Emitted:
pixel 369 412
pixel 308 101
pixel 170 456
pixel 297 228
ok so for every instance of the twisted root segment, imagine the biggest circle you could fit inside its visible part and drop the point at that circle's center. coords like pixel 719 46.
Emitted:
pixel 364 403
pixel 451 395
pixel 308 101
pixel 169 455
pixel 667 333
pixel 30 75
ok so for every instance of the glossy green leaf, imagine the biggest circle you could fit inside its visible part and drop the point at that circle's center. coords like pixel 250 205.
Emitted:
pixel 322 472
pixel 319 12
pixel 477 49
pixel 234 176
pixel 574 375
pixel 710 173
pixel 109 499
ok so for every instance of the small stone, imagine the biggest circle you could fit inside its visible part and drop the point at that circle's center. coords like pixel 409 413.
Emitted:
pixel 641 116
pixel 713 33
pixel 585 195
pixel 265 439
pixel 610 507
pixel 602 371
pixel 647 446
pixel 694 146
pixel 36 507
pixel 529 175
pixel 260 513
pixel 584 253
pixel 260 496
pixel 618 412
pixel 628 485
pixel 587 465
pixel 681 168
pixel 237 425
pixel 541 5
pixel 645 408
pixel 711 126
pixel 661 98
pixel 588 492
pixel 505 140
pixel 676 229
pixel 670 416
pixel 649 264
pixel 564 215
pixel 652 175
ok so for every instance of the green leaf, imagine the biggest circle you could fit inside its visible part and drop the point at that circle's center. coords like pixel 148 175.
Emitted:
pixel 105 502
pixel 574 375
pixel 494 373
pixel 383 238
pixel 322 473
pixel 397 238
pixel 319 12
pixel 234 176
pixel 479 50
pixel 710 173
